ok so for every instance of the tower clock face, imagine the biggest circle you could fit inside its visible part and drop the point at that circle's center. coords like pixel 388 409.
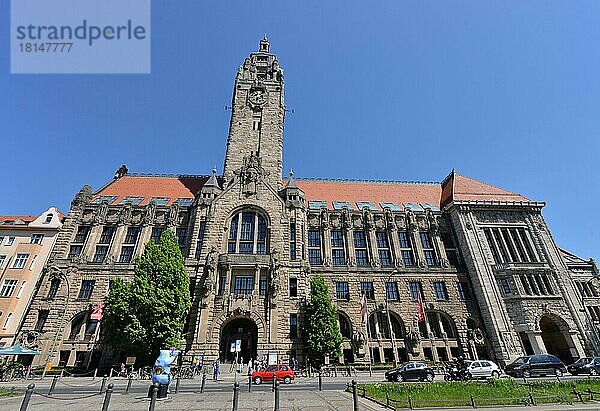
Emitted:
pixel 257 97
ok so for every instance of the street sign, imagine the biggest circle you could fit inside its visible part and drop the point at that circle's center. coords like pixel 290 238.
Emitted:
pixel 238 345
pixel 232 349
pixel 130 361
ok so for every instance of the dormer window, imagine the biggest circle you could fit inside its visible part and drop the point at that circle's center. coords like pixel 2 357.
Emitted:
pixel 49 218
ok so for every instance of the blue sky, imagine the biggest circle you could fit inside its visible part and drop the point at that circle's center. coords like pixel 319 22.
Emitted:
pixel 505 92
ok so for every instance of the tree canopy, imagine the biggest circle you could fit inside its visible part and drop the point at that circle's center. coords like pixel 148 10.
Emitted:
pixel 149 312
pixel 321 329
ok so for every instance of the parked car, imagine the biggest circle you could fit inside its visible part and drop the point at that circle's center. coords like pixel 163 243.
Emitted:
pixel 411 371
pixel 283 372
pixel 536 365
pixel 585 365
pixel 483 369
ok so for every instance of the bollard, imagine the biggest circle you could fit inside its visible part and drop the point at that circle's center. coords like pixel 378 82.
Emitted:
pixel 335 370
pixel 95 374
pixel 203 382
pixel 531 399
pixel 274 380
pixel 27 397
pixel 473 401
pixel 277 396
pixel 370 371
pixel 177 383
pixel 103 386
pixel 54 380
pixel 128 385
pixel 349 372
pixel 153 395
pixel 106 402
pixel 410 404
pixel 236 390
pixel 249 383
pixel 354 395
pixel 320 381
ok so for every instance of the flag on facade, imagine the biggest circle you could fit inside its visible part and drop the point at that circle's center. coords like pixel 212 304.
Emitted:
pixel 97 312
pixel 363 308
pixel 421 313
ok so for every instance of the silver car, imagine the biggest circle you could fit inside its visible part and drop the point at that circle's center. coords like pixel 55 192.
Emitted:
pixel 483 369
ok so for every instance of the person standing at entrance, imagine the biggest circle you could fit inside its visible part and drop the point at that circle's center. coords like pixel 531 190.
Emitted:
pixel 216 370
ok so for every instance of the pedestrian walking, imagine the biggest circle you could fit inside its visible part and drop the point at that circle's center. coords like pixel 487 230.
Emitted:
pixel 217 367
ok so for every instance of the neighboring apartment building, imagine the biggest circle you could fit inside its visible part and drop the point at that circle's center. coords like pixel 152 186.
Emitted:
pixel 25 244
pixel 481 259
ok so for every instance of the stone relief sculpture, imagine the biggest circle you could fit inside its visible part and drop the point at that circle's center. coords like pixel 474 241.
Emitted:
pixel 411 221
pixel 101 211
pixel 359 341
pixel 274 265
pixel 324 217
pixel 172 216
pixel 149 212
pixel 432 220
pixel 125 214
pixel 83 196
pixel 412 340
pixel 368 218
pixel 210 269
pixel 389 219
pixel 477 336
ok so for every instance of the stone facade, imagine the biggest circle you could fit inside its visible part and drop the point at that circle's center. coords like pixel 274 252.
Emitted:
pixel 478 260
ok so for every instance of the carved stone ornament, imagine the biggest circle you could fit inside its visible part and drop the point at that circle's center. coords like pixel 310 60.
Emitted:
pixel 509 343
pixel 172 216
pixel 432 221
pixel 477 336
pixel 389 219
pixel 345 222
pixel 83 196
pixel 367 218
pixel 125 214
pixel 250 174
pixel 274 265
pixel 29 339
pixel 210 269
pixel 101 212
pixel 411 221
pixel 412 339
pixel 488 216
pixel 324 218
pixel 149 213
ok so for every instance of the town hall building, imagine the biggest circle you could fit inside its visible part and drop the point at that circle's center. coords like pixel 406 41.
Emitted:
pixel 491 280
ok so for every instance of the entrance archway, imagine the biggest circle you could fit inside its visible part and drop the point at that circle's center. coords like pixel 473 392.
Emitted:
pixel 241 329
pixel 556 338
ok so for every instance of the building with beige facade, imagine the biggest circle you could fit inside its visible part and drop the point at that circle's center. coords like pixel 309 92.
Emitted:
pixel 492 281
pixel 25 244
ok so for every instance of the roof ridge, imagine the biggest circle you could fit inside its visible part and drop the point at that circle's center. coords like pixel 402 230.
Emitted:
pixel 348 180
pixel 169 175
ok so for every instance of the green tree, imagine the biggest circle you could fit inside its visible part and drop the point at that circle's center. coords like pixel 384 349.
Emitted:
pixel 321 330
pixel 149 313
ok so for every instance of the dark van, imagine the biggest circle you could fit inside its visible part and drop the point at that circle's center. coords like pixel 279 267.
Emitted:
pixel 536 365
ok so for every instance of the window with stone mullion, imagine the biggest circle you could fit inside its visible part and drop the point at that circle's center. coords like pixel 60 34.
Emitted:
pixel 360 248
pixel 406 249
pixel 428 250
pixel 314 247
pixel 337 248
pixel 383 247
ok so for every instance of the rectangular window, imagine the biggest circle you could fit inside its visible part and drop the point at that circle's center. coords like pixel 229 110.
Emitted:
pixel 8 288
pixel 41 320
pixel 451 252
pixel 10 241
pixel 126 254
pixel 383 247
pixel 132 235
pixel 342 291
pixel 314 247
pixel 293 287
pixel 292 241
pixel 463 290
pixel 222 283
pixel 87 288
pixel 107 235
pixel 37 238
pixel 505 284
pixel 82 234
pixel 360 248
pixel 20 260
pixel 415 289
pixel 156 233
pixel 440 291
pixel 75 250
pixel 54 284
pixel 428 249
pixel 366 287
pixel 391 291
pixel 2 259
pixel 293 325
pixel 200 239
pixel 406 249
pixel 100 255
pixel 243 285
pixel 262 285
pixel 181 238
pixel 337 248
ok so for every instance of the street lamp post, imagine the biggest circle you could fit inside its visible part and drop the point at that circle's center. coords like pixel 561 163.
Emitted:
pixel 59 274
pixel 389 319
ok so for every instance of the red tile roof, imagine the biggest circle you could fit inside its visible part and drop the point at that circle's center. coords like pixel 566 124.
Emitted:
pixel 370 191
pixel 26 218
pixel 454 188
pixel 460 188
pixel 173 187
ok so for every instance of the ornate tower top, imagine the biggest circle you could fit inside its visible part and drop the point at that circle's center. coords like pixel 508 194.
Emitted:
pixel 257 115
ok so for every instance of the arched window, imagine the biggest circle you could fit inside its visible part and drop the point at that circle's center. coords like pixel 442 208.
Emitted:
pixel 378 323
pixel 345 328
pixel 438 324
pixel 247 233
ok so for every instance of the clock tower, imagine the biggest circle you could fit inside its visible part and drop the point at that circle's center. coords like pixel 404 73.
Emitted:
pixel 257 117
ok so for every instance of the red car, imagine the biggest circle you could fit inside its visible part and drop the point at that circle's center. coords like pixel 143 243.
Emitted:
pixel 283 373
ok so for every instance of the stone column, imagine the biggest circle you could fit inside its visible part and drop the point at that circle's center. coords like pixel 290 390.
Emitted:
pixel 537 344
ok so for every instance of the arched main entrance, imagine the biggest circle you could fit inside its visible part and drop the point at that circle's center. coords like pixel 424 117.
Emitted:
pixel 239 329
pixel 553 334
